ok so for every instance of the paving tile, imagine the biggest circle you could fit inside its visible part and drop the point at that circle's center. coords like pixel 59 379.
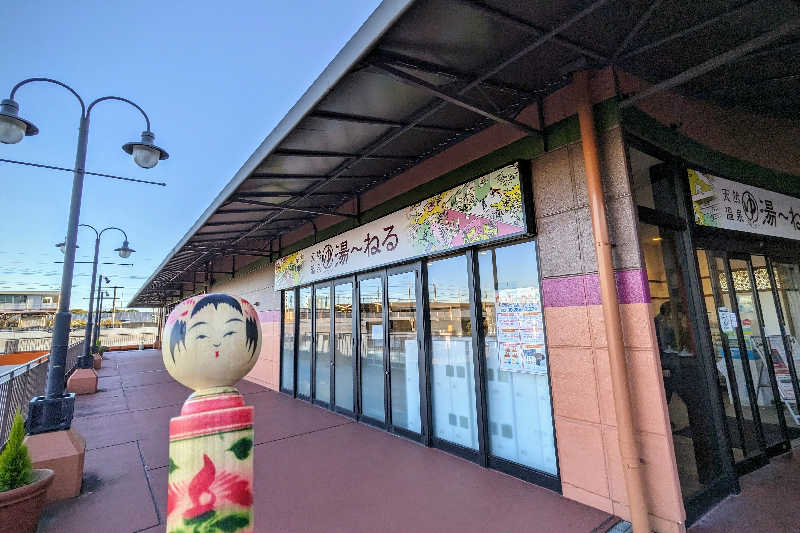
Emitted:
pixel 291 419
pixel 101 403
pixel 158 395
pixel 115 496
pixel 105 430
pixel 149 377
pixel 108 369
pixel 106 383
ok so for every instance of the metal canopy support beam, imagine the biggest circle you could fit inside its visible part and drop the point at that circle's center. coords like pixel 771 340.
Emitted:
pixel 361 119
pixel 269 194
pixel 716 62
pixel 451 98
pixel 281 207
pixel 397 59
pixel 319 153
pixel 243 212
pixel 527 26
pixel 636 28
pixel 686 31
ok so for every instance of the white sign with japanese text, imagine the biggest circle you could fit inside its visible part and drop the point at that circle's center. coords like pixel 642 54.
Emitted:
pixel 482 210
pixel 726 204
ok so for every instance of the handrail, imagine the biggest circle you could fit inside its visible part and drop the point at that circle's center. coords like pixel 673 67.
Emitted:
pixel 24 382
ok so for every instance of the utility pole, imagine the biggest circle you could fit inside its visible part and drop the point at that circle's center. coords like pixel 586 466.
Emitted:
pixel 114 302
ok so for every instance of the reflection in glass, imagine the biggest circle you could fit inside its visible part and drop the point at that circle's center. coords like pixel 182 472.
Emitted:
pixel 519 414
pixel 371 347
pixel 287 357
pixel 403 353
pixel 453 378
pixel 343 355
pixel 304 344
pixel 322 346
pixel 687 395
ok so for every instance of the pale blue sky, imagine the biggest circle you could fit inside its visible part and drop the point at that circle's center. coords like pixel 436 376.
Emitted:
pixel 214 77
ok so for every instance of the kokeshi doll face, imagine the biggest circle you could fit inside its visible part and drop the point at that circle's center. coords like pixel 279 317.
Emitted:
pixel 212 340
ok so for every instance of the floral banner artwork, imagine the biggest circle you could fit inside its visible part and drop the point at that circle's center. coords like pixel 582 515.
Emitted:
pixel 485 209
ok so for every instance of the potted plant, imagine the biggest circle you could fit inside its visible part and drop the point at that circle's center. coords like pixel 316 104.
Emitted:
pixel 23 490
pixel 99 350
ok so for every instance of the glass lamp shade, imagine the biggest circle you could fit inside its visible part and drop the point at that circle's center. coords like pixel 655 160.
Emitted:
pixel 145 156
pixel 125 250
pixel 12 130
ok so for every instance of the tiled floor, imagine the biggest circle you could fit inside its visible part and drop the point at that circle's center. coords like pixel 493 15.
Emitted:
pixel 315 471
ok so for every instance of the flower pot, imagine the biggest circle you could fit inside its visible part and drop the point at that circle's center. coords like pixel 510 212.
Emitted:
pixel 98 361
pixel 21 508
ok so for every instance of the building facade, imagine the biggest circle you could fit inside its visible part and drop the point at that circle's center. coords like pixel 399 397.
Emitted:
pixel 462 306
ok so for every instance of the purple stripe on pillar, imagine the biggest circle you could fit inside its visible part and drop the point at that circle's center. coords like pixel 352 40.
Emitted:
pixel 632 287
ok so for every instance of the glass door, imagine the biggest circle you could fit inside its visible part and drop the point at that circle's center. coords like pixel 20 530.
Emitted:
pixel 755 420
pixel 322 344
pixel 344 347
pixel 372 339
pixel 404 350
pixel 304 343
pixel 453 393
pixel 784 281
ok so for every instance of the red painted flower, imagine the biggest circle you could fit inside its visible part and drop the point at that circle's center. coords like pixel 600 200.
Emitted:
pixel 202 492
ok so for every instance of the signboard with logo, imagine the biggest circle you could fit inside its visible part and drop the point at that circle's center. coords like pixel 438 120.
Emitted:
pixel 482 210
pixel 721 203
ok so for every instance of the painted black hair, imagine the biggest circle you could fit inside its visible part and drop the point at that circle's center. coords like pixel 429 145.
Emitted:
pixel 178 335
pixel 216 299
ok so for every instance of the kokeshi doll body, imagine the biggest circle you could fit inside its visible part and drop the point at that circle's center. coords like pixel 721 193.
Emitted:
pixel 210 343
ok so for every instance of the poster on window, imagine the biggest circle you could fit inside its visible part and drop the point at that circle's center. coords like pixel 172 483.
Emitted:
pixel 726 204
pixel 520 330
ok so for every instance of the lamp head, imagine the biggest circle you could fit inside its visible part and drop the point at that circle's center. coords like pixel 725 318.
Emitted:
pixel 124 251
pixel 12 127
pixel 145 153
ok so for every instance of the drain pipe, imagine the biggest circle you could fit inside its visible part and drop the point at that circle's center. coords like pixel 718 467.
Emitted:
pixel 628 447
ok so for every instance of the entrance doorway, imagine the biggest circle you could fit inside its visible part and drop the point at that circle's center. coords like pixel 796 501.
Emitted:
pixel 748 299
pixel 390 341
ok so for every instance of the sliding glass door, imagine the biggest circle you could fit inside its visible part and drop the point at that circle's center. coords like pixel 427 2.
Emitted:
pixel 344 347
pixel 304 343
pixel 322 343
pixel 371 346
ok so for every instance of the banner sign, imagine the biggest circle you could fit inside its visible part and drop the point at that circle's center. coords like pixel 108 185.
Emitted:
pixel 725 204
pixel 520 331
pixel 482 210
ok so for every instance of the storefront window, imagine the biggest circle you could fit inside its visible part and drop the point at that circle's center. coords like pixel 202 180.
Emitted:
pixel 453 376
pixel 322 344
pixel 304 344
pixel 287 356
pixel 519 412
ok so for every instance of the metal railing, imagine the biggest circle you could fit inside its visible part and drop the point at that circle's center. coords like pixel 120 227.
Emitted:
pixel 127 339
pixel 33 344
pixel 19 385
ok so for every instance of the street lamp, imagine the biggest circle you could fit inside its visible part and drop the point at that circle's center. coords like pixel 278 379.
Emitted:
pixel 124 251
pixel 53 411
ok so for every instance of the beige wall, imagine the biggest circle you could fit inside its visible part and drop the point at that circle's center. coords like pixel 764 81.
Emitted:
pixel 256 286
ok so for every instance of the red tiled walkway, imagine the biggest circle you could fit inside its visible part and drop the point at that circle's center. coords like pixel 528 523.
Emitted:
pixel 315 471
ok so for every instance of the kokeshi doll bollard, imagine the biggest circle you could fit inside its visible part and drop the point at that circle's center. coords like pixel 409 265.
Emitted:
pixel 209 343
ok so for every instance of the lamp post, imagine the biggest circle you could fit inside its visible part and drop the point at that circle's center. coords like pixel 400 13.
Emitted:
pixel 124 251
pixel 53 411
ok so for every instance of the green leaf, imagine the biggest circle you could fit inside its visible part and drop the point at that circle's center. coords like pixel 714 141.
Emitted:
pixel 199 519
pixel 241 448
pixel 172 466
pixel 232 522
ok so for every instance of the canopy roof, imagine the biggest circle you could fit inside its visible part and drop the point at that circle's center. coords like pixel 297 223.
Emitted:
pixel 421 76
